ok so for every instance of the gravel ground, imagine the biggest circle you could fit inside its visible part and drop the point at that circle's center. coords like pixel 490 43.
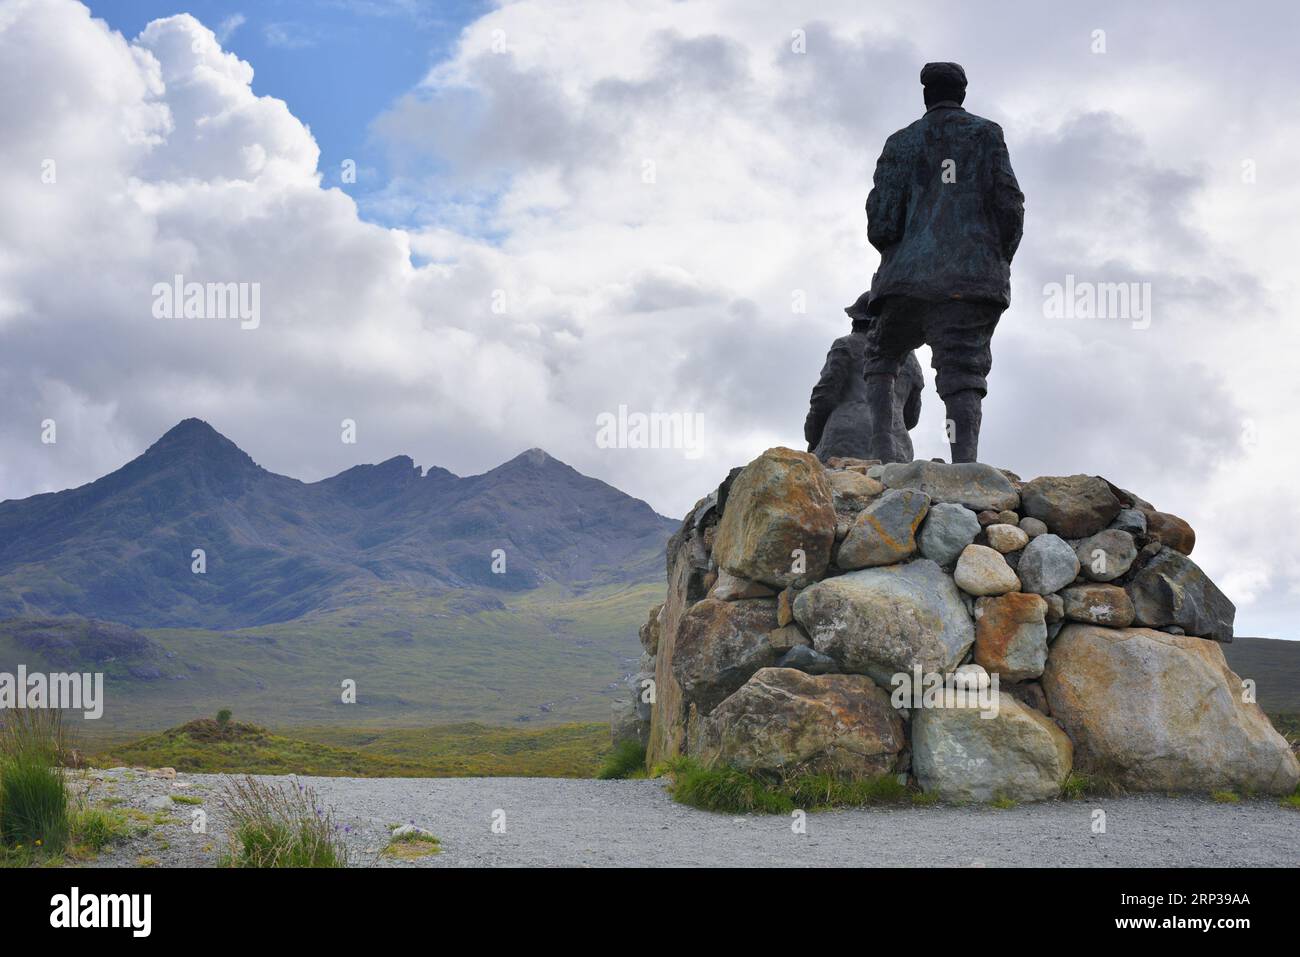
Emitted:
pixel 551 821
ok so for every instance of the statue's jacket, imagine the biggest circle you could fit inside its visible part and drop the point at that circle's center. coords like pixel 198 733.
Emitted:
pixel 839 420
pixel 945 211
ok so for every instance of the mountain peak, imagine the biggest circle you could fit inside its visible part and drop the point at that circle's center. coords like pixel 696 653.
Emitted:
pixel 196 438
pixel 190 429
pixel 537 458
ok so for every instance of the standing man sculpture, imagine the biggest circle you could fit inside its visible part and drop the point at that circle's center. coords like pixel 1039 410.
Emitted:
pixel 946 214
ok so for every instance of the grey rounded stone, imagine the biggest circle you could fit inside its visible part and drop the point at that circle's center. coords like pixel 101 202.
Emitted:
pixel 1130 520
pixel 1033 527
pixel 1107 555
pixel 1047 564
pixel 948 529
pixel 808 660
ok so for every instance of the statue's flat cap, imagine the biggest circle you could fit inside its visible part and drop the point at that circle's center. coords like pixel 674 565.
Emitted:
pixel 943 75
pixel 859 308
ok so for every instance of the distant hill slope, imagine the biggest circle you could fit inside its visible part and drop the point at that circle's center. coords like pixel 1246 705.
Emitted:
pixel 1275 668
pixel 276 548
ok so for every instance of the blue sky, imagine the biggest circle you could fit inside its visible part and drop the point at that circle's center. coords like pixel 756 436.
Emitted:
pixel 338 64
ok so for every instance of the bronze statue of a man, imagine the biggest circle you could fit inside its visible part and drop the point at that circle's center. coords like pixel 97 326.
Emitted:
pixel 946 214
pixel 839 421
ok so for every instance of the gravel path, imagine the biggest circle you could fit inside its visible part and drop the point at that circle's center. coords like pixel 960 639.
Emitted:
pixel 551 821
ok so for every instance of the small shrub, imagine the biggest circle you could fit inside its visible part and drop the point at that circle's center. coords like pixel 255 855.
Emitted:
pixel 627 760
pixel 409 847
pixel 280 826
pixel 33 795
pixel 1225 797
pixel 224 716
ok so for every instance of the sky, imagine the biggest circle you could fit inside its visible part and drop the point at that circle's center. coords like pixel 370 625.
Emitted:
pixel 563 210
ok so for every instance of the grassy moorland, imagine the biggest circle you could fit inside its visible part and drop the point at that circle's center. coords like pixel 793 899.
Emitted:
pixel 458 750
pixel 551 655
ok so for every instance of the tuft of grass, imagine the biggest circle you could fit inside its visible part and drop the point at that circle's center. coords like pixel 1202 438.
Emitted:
pixel 33 794
pixel 410 847
pixel 280 826
pixel 925 798
pixel 826 790
pixel 627 760
pixel 1225 797
pixel 1003 803
pixel 1080 785
pixel 94 828
pixel 186 799
pixel 730 790
pixel 1292 801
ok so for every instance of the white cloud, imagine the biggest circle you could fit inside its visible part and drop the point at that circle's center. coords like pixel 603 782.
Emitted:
pixel 530 167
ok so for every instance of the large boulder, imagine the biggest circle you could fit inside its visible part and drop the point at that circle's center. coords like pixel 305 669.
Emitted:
pixel 1047 564
pixel 1011 635
pixel 948 528
pixel 779 506
pixel 719 645
pixel 882 621
pixel 1160 712
pixel 1171 589
pixel 783 720
pixel 885 531
pixel 962 755
pixel 687 559
pixel 978 487
pixel 1072 506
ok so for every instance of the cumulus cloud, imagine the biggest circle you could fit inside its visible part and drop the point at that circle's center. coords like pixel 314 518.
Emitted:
pixel 656 205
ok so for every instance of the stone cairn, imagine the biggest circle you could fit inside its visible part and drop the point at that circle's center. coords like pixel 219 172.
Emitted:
pixel 798 594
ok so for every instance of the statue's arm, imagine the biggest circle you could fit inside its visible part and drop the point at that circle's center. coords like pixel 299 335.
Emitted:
pixel 826 393
pixel 888 199
pixel 1008 200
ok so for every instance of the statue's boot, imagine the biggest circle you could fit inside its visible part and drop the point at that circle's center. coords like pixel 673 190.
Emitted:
pixel 880 403
pixel 964 417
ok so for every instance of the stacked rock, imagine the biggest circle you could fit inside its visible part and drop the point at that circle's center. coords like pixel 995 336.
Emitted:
pixel 799 596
